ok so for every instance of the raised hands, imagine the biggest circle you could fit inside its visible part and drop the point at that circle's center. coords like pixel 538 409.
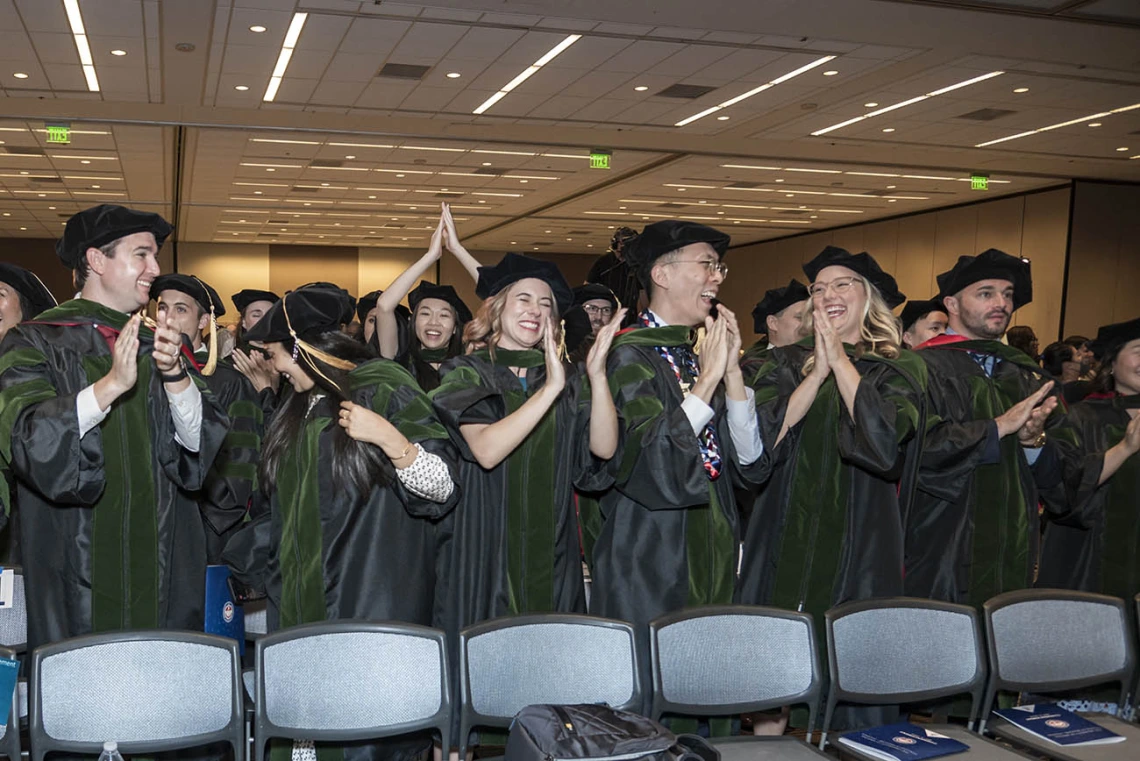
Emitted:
pixel 1016 418
pixel 167 346
pixel 822 367
pixel 257 369
pixel 596 359
pixel 124 359
pixel 555 371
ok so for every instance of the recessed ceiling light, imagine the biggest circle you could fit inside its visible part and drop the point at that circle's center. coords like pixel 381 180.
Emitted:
pixel 1094 124
pixel 118 52
pixel 546 231
pixel 641 88
pixel 891 187
pixel 350 157
pixel 324 184
pixel 241 88
pixel 270 169
pixel 23 228
pixel 85 161
pixel 453 75
pixel 1069 123
pixel 889 129
pixel 780 180
pixel 1122 148
pixel 830 73
pixel 486 163
pixel 523 182
pixel 20 75
pixel 257 192
pixel 514 243
pixel 890 200
pixel 372 197
pixel 723 118
pixel 870 105
pixel 257 29
pixel 399 175
pixel 96 187
pixel 1020 90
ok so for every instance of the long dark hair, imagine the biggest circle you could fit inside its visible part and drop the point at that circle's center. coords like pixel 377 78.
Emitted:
pixel 426 375
pixel 1104 383
pixel 355 463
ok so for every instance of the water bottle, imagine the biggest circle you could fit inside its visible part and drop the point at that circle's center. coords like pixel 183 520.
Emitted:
pixel 110 752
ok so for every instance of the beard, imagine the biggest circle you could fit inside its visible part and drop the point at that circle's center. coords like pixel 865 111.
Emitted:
pixel 978 324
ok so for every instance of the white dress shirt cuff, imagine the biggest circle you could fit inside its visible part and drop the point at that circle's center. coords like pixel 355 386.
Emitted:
pixel 186 410
pixel 744 428
pixel 87 410
pixel 698 412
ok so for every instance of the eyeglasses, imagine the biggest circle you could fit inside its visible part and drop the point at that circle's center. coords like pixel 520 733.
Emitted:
pixel 712 265
pixel 603 311
pixel 840 285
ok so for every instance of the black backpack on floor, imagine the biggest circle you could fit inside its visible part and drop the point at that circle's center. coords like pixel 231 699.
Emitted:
pixel 598 733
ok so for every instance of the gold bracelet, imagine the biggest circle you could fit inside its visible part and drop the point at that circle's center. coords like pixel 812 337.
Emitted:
pixel 404 454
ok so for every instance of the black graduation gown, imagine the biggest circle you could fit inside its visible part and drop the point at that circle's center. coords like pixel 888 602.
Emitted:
pixel 513 546
pixel 973 531
pixel 827 527
pixel 670 534
pixel 326 552
pixel 232 481
pixel 1095 545
pixel 110 539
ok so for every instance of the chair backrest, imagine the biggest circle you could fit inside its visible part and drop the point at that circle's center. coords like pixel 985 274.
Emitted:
pixel 151 691
pixel 14 619
pixel 903 650
pixel 9 732
pixel 350 680
pixel 1052 640
pixel 733 659
pixel 510 663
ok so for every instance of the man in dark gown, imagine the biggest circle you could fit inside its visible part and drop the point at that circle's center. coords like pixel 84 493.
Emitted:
pixel 107 426
pixel 192 306
pixel 670 535
pixel 973 530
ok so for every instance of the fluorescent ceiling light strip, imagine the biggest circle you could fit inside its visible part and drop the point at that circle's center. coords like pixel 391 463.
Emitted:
pixel 755 91
pixel 908 102
pixel 88 158
pixel 524 177
pixel 76 177
pixel 275 166
pixel 402 171
pixel 1069 123
pixel 302 200
pixel 909 198
pixel 871 174
pixel 926 177
pixel 361 145
pixel 430 148
pixel 507 153
pixel 291 37
pixel 288 142
pixel 815 171
pixel 751 166
pixel 93 193
pixel 699 187
pixel 529 71
pixel 843 211
pixel 79 33
pixel 563 156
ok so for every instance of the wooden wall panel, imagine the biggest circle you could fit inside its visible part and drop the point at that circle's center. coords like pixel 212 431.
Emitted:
pixel 38 256
pixel 1104 264
pixel 1044 242
pixel 914 263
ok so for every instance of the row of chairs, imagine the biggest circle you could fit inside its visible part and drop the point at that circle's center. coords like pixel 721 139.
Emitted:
pixel 346 681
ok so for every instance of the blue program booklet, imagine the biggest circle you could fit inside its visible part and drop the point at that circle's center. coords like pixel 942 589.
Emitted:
pixel 902 742
pixel 223 616
pixel 1052 723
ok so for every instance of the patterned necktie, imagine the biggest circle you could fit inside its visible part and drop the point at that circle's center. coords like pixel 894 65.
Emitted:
pixel 678 357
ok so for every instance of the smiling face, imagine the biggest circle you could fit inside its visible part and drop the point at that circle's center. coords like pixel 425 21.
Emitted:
pixel 982 310
pixel 435 323
pixel 1126 369
pixel 11 314
pixel 185 315
pixel 685 282
pixel 841 295
pixel 253 313
pixel 124 278
pixel 599 311
pixel 527 307
pixel 283 363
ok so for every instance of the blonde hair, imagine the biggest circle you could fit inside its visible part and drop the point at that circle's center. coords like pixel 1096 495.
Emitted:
pixel 879 330
pixel 485 329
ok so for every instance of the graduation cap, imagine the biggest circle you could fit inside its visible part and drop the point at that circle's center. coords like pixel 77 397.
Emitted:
pixel 367 303
pixel 665 237
pixel 426 290
pixel 29 286
pixel 864 264
pixel 776 301
pixel 1112 337
pixel 100 225
pixel 247 296
pixel 916 310
pixel 595 291
pixel 991 264
pixel 206 297
pixel 515 267
pixel 306 312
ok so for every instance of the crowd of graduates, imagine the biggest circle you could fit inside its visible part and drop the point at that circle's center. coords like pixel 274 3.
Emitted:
pixel 449 463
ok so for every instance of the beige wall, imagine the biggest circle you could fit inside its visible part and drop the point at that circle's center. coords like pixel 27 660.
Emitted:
pixel 227 267
pixel 1104 263
pixel 916 248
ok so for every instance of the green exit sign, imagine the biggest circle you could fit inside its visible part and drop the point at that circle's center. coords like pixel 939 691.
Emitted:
pixel 979 182
pixel 58 134
pixel 600 159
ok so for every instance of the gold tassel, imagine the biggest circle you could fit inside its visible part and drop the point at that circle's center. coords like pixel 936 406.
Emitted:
pixel 700 339
pixel 309 351
pixel 562 353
